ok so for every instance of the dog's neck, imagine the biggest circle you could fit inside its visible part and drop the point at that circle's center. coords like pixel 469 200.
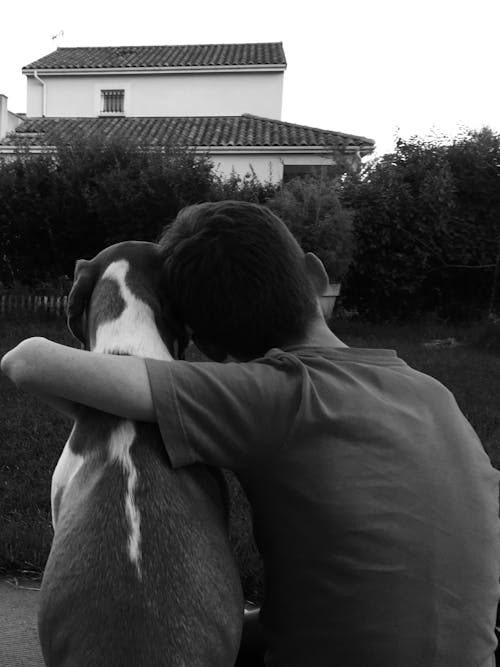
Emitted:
pixel 119 321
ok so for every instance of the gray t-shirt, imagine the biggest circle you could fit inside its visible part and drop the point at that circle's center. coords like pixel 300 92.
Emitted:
pixel 375 506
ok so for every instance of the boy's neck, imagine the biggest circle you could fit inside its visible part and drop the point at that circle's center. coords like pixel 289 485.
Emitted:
pixel 318 334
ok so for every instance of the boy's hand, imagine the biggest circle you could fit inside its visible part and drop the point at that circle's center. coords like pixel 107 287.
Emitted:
pixel 63 376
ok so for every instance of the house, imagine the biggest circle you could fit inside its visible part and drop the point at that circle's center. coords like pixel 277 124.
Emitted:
pixel 224 99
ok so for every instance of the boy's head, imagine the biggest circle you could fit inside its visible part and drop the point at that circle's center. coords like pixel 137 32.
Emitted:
pixel 237 277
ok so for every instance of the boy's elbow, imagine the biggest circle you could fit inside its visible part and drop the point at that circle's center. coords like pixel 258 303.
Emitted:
pixel 13 367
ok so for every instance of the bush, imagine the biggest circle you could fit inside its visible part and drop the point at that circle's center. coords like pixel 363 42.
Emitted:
pixel 312 210
pixel 243 188
pixel 427 229
pixel 56 207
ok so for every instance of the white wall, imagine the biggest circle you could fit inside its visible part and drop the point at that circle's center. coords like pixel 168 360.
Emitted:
pixel 4 116
pixel 34 104
pixel 8 120
pixel 267 167
pixel 213 94
pixel 13 121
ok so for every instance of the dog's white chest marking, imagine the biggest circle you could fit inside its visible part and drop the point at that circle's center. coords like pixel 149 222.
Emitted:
pixel 134 331
pixel 119 450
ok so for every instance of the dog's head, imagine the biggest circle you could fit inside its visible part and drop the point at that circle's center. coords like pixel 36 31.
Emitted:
pixel 143 279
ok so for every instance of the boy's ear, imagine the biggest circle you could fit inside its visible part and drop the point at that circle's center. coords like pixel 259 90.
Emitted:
pixel 316 272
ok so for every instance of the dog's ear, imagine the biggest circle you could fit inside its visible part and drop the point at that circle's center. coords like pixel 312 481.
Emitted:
pixel 83 286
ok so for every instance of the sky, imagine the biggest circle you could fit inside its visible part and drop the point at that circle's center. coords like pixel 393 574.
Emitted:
pixel 375 68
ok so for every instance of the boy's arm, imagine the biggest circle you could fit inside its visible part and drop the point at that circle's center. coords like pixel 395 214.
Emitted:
pixel 63 406
pixel 64 376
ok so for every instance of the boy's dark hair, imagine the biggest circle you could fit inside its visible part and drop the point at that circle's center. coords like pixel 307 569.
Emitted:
pixel 235 275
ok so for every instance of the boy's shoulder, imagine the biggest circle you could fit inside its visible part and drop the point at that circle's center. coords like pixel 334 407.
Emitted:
pixel 308 354
pixel 357 373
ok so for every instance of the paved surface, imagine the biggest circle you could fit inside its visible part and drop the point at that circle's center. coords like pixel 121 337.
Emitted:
pixel 19 645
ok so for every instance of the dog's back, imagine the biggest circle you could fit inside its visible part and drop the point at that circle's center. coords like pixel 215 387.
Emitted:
pixel 140 572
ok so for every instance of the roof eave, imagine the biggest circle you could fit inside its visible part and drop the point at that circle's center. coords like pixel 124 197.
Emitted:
pixel 362 149
pixel 219 150
pixel 195 69
pixel 11 150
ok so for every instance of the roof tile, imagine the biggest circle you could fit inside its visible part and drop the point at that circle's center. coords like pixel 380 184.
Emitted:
pixel 199 131
pixel 188 55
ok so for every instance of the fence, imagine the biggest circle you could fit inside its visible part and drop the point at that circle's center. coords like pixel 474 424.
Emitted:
pixel 56 304
pixel 52 305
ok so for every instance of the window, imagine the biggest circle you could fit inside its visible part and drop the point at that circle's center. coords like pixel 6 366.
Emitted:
pixel 303 170
pixel 112 101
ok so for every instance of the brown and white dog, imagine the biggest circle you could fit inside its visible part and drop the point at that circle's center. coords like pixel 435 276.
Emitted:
pixel 140 572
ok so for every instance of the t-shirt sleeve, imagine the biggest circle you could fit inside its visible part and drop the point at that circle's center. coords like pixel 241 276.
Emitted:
pixel 229 415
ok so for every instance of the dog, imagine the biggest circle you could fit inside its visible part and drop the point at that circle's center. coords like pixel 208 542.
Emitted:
pixel 140 572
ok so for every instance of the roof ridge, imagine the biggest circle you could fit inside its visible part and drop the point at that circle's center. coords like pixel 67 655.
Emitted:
pixel 170 56
pixel 153 46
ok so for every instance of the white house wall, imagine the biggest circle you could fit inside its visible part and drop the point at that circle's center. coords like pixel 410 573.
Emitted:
pixel 34 104
pixel 218 94
pixel 8 120
pixel 13 121
pixel 267 167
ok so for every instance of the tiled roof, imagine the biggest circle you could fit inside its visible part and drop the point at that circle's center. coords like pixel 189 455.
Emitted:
pixel 189 55
pixel 197 131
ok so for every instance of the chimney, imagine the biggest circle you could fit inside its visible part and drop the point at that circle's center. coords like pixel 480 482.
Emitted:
pixel 4 116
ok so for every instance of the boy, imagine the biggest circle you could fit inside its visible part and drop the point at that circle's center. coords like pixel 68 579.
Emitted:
pixel 375 506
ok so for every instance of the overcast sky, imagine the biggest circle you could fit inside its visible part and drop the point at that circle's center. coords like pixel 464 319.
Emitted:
pixel 367 67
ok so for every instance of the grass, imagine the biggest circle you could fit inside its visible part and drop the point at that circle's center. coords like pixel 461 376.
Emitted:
pixel 33 436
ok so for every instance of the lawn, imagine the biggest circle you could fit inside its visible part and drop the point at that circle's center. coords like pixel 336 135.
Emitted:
pixel 32 436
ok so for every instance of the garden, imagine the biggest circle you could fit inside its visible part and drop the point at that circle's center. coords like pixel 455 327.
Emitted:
pixel 414 238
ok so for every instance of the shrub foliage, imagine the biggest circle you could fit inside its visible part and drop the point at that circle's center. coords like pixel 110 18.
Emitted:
pixel 313 211
pixel 427 229
pixel 417 231
pixel 56 207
